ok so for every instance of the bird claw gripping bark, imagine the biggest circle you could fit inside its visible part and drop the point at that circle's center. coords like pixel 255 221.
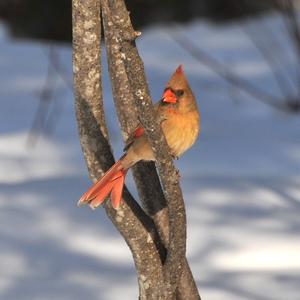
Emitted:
pixel 177 174
pixel 175 157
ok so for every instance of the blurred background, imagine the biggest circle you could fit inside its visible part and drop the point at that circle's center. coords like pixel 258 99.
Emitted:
pixel 241 180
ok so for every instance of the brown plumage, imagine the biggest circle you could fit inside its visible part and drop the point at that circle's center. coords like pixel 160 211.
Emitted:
pixel 179 118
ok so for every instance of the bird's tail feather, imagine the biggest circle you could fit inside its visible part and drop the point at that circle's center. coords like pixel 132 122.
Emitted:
pixel 112 182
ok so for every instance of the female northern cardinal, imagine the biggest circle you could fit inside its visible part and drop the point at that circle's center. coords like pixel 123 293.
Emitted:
pixel 179 116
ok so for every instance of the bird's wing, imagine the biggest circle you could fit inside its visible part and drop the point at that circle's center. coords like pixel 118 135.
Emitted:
pixel 139 130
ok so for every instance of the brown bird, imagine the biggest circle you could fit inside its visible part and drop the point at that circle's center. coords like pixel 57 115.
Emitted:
pixel 179 116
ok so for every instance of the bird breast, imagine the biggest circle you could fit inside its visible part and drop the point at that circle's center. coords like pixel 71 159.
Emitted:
pixel 181 131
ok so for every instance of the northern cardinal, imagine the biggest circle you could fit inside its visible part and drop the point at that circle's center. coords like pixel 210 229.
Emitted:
pixel 179 116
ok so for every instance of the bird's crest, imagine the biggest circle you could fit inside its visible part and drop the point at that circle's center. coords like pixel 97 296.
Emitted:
pixel 178 79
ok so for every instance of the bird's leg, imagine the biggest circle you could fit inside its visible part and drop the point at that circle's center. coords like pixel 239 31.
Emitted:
pixel 175 157
pixel 177 174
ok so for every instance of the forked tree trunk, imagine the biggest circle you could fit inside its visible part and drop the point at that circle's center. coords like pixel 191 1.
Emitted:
pixel 156 233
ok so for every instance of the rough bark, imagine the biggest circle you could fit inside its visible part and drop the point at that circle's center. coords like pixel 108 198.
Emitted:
pixel 120 37
pixel 159 277
pixel 148 184
pixel 135 226
pixel 168 174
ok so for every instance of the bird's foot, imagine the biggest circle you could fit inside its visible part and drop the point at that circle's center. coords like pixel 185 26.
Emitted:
pixel 174 157
pixel 177 174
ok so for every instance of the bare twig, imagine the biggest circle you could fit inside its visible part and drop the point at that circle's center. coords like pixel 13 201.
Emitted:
pixel 44 119
pixel 45 99
pixel 58 67
pixel 57 107
pixel 292 25
pixel 220 69
pixel 274 42
pixel 269 57
pixel 288 8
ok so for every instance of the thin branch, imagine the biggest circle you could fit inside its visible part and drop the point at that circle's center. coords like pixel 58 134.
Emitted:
pixel 275 42
pixel 57 107
pixel 267 51
pixel 58 67
pixel 269 57
pixel 220 69
pixel 287 9
pixel 45 99
pixel 145 174
pixel 44 119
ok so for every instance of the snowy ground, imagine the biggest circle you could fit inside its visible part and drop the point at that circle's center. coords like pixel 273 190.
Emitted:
pixel 241 180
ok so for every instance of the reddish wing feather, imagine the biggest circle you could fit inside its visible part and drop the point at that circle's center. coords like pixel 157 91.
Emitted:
pixel 138 132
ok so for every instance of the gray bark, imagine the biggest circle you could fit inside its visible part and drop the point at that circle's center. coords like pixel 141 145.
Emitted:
pixel 135 226
pixel 160 276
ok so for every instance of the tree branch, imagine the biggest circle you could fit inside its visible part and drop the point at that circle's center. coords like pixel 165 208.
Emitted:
pixel 156 281
pixel 145 174
pixel 220 69
pixel 135 226
pixel 177 222
pixel 116 20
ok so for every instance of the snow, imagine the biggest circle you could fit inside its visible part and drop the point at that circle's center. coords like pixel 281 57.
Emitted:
pixel 241 180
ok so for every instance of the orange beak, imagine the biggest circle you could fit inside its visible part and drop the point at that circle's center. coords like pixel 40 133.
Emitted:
pixel 169 97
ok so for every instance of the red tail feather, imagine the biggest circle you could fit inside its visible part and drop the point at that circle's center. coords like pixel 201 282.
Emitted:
pixel 112 181
pixel 116 193
pixel 101 195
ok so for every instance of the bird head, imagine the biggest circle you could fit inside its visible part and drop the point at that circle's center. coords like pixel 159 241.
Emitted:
pixel 178 91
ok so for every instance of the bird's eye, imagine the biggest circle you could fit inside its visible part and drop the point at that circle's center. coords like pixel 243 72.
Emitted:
pixel 179 93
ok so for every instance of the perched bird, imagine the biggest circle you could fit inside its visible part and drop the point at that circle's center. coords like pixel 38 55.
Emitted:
pixel 179 116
